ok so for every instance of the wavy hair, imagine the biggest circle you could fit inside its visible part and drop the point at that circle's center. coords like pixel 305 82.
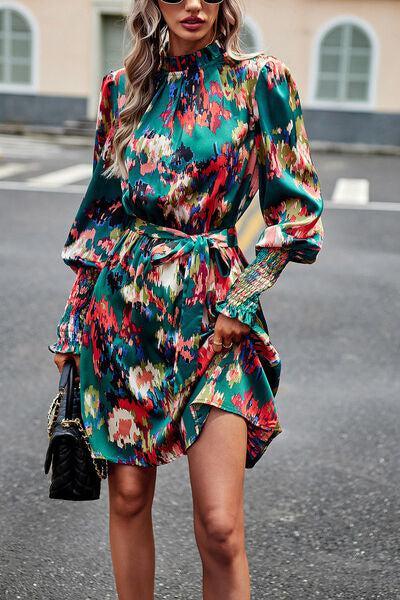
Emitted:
pixel 149 36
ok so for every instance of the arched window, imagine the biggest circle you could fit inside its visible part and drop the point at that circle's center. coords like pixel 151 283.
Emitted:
pixel 15 47
pixel 344 65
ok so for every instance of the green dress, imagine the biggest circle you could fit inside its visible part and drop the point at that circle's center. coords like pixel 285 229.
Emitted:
pixel 156 256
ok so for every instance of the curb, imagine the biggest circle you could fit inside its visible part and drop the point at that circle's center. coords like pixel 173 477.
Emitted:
pixel 354 148
pixel 65 136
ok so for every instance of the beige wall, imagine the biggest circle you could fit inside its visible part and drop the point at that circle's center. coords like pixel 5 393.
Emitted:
pixel 64 46
pixel 289 29
pixel 69 44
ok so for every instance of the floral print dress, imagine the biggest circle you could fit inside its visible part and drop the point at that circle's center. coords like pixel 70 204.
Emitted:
pixel 156 256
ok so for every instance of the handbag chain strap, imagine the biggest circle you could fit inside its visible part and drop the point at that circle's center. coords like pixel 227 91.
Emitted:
pixel 52 412
pixel 100 465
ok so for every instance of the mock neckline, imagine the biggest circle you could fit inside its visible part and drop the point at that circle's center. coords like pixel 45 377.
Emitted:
pixel 198 58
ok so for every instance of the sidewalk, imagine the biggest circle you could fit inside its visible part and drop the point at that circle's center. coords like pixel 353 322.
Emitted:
pixel 77 133
pixel 71 133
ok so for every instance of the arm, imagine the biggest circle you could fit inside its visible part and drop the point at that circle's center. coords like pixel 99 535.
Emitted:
pixel 289 192
pixel 96 228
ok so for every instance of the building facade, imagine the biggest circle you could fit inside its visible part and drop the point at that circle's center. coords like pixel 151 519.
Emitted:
pixel 342 54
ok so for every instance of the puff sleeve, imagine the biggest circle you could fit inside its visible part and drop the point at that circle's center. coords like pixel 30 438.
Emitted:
pixel 289 192
pixel 97 226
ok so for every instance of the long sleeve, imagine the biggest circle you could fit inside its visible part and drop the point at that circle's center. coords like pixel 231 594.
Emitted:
pixel 289 192
pixel 97 226
pixel 69 328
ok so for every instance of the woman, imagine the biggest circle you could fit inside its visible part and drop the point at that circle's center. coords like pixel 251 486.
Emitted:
pixel 164 319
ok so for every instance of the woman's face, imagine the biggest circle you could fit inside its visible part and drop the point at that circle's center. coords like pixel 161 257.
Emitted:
pixel 204 14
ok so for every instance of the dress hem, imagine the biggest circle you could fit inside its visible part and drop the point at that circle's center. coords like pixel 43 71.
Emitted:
pixel 250 462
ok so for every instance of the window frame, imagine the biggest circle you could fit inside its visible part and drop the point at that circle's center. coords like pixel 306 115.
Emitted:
pixel 356 105
pixel 31 87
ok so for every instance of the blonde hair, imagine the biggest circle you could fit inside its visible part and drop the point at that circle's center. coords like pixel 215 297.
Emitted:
pixel 149 36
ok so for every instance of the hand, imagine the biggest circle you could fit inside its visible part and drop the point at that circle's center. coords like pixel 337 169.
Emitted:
pixel 60 358
pixel 228 331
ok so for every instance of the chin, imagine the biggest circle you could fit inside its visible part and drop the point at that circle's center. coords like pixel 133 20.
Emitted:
pixel 191 35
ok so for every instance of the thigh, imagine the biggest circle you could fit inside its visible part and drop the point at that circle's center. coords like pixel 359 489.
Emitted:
pixel 217 464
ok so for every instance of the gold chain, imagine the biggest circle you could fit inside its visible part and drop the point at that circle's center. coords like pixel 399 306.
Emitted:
pixel 52 412
pixel 102 468
pixel 100 465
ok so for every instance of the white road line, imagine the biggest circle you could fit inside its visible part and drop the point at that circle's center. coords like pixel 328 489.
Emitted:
pixel 62 177
pixel 351 191
pixel 11 169
pixel 21 147
pixel 21 186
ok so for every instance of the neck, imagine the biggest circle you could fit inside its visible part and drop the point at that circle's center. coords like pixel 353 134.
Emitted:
pixel 179 46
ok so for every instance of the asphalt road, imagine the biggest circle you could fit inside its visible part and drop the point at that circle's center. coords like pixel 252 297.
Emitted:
pixel 322 505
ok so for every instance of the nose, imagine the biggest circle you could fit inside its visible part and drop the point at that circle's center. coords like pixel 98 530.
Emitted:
pixel 192 4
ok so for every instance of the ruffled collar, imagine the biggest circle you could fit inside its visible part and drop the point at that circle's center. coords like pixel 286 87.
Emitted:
pixel 198 58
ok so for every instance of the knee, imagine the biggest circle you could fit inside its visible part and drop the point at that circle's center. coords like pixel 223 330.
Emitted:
pixel 219 535
pixel 128 500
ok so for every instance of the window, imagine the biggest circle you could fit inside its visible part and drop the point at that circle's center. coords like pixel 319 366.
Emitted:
pixel 15 48
pixel 344 65
pixel 115 42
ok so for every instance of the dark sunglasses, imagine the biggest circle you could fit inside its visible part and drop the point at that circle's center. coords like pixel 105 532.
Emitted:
pixel 180 1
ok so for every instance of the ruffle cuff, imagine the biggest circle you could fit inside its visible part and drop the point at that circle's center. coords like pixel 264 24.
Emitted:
pixel 70 326
pixel 245 312
pixel 69 331
pixel 64 347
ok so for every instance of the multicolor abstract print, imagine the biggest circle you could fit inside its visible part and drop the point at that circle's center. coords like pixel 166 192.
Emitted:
pixel 157 259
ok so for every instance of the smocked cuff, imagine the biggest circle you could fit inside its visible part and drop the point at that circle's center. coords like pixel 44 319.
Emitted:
pixel 242 299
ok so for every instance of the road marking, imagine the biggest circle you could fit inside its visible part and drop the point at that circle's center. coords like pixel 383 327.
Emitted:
pixel 21 186
pixel 240 223
pixel 250 227
pixel 56 179
pixel 11 169
pixel 351 191
pixel 22 147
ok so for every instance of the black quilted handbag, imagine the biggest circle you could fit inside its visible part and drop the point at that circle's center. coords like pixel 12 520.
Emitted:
pixel 76 475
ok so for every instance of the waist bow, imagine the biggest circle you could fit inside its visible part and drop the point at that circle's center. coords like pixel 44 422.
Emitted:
pixel 195 284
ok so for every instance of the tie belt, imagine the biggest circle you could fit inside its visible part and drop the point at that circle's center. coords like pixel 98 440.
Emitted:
pixel 195 283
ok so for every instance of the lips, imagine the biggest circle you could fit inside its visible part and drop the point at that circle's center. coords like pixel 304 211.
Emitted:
pixel 192 20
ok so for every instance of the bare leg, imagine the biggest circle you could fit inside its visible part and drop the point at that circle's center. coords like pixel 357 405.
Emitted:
pixel 131 492
pixel 216 467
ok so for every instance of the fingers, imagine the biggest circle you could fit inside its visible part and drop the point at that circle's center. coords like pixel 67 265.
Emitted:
pixel 227 332
pixel 222 344
pixel 60 358
pixel 77 364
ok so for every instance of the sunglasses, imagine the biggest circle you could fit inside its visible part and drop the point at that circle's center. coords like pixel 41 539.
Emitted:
pixel 180 1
